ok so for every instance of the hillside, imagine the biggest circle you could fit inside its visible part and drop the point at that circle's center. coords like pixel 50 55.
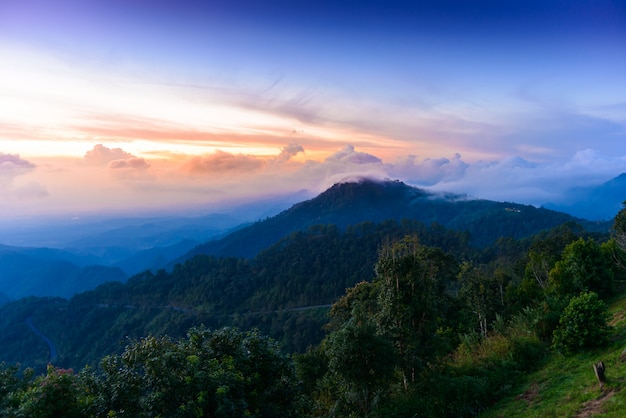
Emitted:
pixel 566 386
pixel 395 318
pixel 285 291
pixel 375 201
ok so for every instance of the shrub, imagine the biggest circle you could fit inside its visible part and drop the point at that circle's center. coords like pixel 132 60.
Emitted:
pixel 583 323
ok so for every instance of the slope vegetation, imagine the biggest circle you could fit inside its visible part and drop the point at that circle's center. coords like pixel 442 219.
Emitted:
pixel 566 385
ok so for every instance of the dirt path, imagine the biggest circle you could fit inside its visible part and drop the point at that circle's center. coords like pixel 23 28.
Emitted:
pixel 594 406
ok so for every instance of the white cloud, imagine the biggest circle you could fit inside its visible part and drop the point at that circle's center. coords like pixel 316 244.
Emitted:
pixel 350 156
pixel 102 155
pixel 220 162
pixel 429 171
pixel 289 151
pixel 12 165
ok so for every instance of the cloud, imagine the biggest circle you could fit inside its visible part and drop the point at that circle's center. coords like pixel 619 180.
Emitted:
pixel 12 165
pixel 221 162
pixel 520 180
pixel 289 151
pixel 132 169
pixel 342 165
pixel 349 155
pixel 429 171
pixel 130 164
pixel 102 155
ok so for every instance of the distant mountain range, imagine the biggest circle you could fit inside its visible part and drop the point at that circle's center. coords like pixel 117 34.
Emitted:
pixel 64 257
pixel 50 272
pixel 601 202
pixel 375 201
pixel 116 250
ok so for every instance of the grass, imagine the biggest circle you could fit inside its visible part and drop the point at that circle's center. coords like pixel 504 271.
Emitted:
pixel 566 385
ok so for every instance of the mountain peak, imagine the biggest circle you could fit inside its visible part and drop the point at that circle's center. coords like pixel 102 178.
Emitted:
pixel 601 202
pixel 368 200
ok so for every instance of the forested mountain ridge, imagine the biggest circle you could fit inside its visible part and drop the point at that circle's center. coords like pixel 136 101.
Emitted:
pixel 309 269
pixel 375 201
pixel 383 318
pixel 427 323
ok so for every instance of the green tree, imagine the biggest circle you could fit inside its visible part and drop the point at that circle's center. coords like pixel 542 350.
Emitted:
pixel 619 227
pixel 224 373
pixel 55 395
pixel 12 387
pixel 583 323
pixel 412 303
pixel 481 294
pixel 583 267
pixel 361 364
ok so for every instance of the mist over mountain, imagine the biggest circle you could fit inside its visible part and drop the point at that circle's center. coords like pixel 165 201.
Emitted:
pixel 600 202
pixel 370 200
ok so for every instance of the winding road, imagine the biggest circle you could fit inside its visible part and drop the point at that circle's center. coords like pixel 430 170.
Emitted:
pixel 51 347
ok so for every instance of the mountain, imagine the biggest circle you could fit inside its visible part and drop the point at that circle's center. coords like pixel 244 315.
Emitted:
pixel 375 201
pixel 50 272
pixel 154 258
pixel 600 202
pixel 61 257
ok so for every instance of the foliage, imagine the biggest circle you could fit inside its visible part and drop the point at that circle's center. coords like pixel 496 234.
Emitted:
pixel 583 266
pixel 57 394
pixel 428 326
pixel 411 302
pixel 619 227
pixel 362 362
pixel 480 292
pixel 565 385
pixel 583 323
pixel 224 373
pixel 12 385
pixel 385 335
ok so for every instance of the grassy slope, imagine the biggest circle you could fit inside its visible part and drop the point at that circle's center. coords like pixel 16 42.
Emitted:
pixel 566 386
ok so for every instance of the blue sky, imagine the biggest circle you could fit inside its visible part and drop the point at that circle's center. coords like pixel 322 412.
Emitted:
pixel 130 105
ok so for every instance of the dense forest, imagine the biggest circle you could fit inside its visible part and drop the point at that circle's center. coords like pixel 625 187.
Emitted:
pixel 395 318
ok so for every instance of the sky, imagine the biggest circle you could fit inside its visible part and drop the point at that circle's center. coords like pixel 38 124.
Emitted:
pixel 132 106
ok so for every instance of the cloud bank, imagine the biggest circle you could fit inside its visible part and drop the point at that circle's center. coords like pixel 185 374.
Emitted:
pixel 111 179
pixel 12 167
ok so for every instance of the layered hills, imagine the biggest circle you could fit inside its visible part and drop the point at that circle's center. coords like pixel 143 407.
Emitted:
pixel 375 201
pixel 116 251
pixel 280 274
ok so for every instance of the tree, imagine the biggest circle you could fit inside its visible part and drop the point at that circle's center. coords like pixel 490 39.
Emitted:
pixel 583 267
pixel 543 254
pixel 57 394
pixel 619 227
pixel 412 303
pixel 12 386
pixel 361 363
pixel 583 323
pixel 224 373
pixel 481 293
